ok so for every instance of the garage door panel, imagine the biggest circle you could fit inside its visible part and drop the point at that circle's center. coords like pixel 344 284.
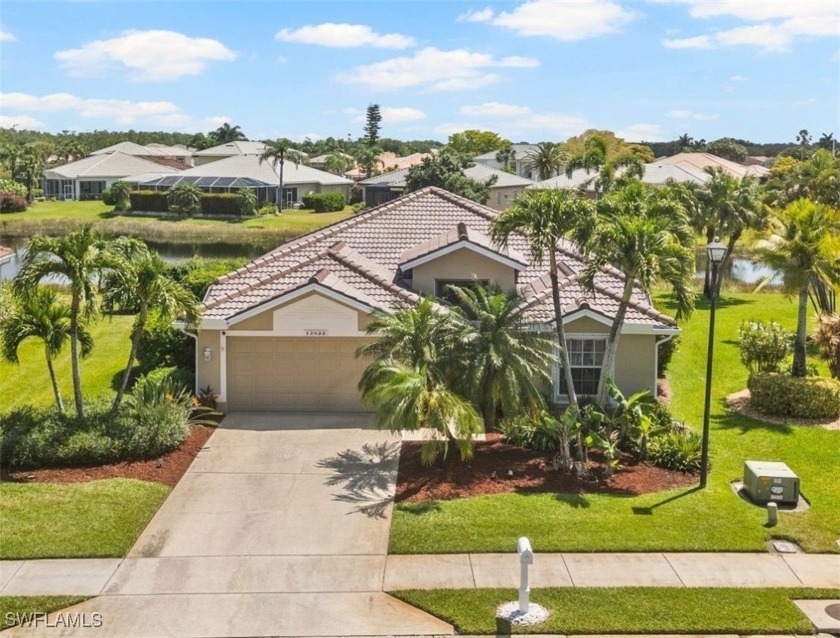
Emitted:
pixel 294 373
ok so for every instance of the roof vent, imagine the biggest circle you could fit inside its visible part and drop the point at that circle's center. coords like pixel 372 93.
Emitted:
pixel 462 231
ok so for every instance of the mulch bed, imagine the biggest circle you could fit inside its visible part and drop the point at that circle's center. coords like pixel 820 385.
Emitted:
pixel 167 469
pixel 487 473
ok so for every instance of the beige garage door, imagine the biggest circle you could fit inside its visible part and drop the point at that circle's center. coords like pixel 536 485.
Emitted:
pixel 307 374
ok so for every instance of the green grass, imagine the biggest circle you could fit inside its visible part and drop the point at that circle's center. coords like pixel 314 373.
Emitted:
pixel 680 520
pixel 95 519
pixel 13 607
pixel 28 382
pixel 627 610
pixel 54 218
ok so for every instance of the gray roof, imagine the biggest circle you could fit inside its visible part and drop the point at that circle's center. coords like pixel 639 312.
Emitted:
pixel 250 166
pixel 129 148
pixel 579 178
pixel 521 151
pixel 110 165
pixel 656 173
pixel 243 147
pixel 396 179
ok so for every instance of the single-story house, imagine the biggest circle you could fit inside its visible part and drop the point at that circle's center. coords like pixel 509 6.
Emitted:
pixel 387 163
pixel 281 333
pixel 177 156
pixel 702 161
pixel 88 177
pixel 320 161
pixel 246 171
pixel 656 174
pixel 383 188
pixel 230 149
pixel 518 161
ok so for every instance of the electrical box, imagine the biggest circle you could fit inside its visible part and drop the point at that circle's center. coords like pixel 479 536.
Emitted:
pixel 766 481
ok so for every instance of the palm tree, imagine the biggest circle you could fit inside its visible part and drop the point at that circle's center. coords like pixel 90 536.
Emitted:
pixel 80 257
pixel 38 314
pixel 367 157
pixel 595 158
pixel 227 133
pixel 143 286
pixel 827 142
pixel 684 142
pixel 507 364
pixel 338 163
pixel 547 160
pixel 644 233
pixel 805 246
pixel 505 156
pixel 803 137
pixel 545 217
pixel 409 381
pixel 277 152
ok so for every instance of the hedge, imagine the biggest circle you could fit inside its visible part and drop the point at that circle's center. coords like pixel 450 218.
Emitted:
pixel 149 201
pixel 219 204
pixel 799 397
pixel 324 202
pixel 11 203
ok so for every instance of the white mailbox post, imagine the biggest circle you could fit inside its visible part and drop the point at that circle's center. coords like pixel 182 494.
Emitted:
pixel 526 557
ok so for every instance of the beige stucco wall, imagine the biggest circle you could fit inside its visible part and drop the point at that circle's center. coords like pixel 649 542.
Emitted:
pixel 209 372
pixel 462 264
pixel 503 196
pixel 586 325
pixel 635 366
pixel 265 320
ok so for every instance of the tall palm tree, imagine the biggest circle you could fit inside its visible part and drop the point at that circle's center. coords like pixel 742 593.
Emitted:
pixel 547 160
pixel 409 381
pixel 684 142
pixel 505 156
pixel 827 142
pixel 544 218
pixel 338 163
pixel 595 158
pixel 805 246
pixel 227 133
pixel 80 257
pixel 143 286
pixel 38 314
pixel 644 233
pixel 506 364
pixel 367 157
pixel 276 153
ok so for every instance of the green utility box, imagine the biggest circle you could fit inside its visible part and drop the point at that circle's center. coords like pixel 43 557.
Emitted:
pixel 766 481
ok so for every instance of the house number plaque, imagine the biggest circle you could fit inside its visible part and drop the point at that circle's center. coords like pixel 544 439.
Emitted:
pixel 315 332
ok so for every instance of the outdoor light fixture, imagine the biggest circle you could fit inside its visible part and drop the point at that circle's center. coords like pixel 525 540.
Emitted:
pixel 207 354
pixel 715 252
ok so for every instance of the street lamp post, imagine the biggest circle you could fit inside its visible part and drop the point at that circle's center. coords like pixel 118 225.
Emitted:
pixel 714 252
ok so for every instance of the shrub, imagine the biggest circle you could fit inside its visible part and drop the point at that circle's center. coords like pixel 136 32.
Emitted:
pixel 764 346
pixel 12 187
pixel 198 273
pixel 160 410
pixel 798 397
pixel 267 208
pixel 827 338
pixel 182 379
pixel 358 207
pixel 246 201
pixel 357 194
pixel 10 203
pixel 162 346
pixel 149 201
pixel 664 354
pixel 542 434
pixel 120 195
pixel 185 199
pixel 324 202
pixel 678 449
pixel 219 204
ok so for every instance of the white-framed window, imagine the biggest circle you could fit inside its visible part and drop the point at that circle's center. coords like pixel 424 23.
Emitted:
pixel 586 356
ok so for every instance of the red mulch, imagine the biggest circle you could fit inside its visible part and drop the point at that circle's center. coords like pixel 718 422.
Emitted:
pixel 531 473
pixel 168 469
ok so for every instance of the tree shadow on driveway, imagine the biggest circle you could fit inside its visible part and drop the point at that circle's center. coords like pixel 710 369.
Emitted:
pixel 367 477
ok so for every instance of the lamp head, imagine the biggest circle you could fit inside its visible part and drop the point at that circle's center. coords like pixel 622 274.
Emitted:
pixel 716 251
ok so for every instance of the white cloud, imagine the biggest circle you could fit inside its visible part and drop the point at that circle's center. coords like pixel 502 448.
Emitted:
pixel 494 109
pixel 20 122
pixel 435 70
pixel 344 36
pixel 483 15
pixel 642 133
pixel 567 21
pixel 7 36
pixel 690 115
pixel 393 114
pixel 122 112
pixel 737 79
pixel 147 56
pixel 775 24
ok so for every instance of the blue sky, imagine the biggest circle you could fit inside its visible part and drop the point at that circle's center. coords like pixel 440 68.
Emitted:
pixel 539 70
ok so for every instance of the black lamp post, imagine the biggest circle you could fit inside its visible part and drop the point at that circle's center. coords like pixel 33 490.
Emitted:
pixel 714 252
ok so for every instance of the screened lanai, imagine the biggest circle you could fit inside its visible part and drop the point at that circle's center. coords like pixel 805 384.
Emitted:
pixel 263 190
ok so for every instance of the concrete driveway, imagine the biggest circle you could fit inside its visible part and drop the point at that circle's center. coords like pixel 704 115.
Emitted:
pixel 279 528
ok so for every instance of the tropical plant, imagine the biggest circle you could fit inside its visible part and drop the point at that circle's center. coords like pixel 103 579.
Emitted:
pixel 226 133
pixel 410 380
pixel 827 338
pixel 246 201
pixel 803 137
pixel 37 313
pixel 142 285
pixel 446 171
pixel 816 178
pixel 685 142
pixel 373 120
pixel 764 346
pixel 506 155
pixel 472 142
pixel 338 163
pixel 804 246
pixel 644 233
pixel 827 142
pixel 185 199
pixel 120 195
pixel 80 257
pixel 728 148
pixel 597 158
pixel 546 160
pixel 367 157
pixel 679 450
pixel 506 364
pixel 276 153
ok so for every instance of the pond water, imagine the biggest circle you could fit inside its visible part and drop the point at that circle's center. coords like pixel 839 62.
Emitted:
pixel 741 270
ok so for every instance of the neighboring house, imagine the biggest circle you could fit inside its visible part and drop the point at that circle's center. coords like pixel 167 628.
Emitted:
pixel 246 171
pixel 756 160
pixel 177 156
pixel 656 174
pixel 388 186
pixel 320 162
pixel 702 161
pixel 388 162
pixel 88 177
pixel 518 164
pixel 282 332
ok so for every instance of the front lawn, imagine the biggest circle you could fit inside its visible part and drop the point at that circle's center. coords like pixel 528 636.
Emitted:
pixel 626 610
pixel 95 519
pixel 28 382
pixel 16 610
pixel 680 520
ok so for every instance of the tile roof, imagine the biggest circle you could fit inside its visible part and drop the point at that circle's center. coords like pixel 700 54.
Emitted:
pixel 360 257
pixel 703 161
pixel 242 147
pixel 521 150
pixel 250 166
pixel 478 172
pixel 114 164
pixel 459 233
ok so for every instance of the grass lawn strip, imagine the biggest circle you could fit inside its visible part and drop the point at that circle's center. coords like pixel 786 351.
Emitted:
pixel 12 607
pixel 678 520
pixel 99 519
pixel 627 610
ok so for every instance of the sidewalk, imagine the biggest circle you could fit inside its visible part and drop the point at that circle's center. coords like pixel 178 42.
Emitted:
pixel 89 576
